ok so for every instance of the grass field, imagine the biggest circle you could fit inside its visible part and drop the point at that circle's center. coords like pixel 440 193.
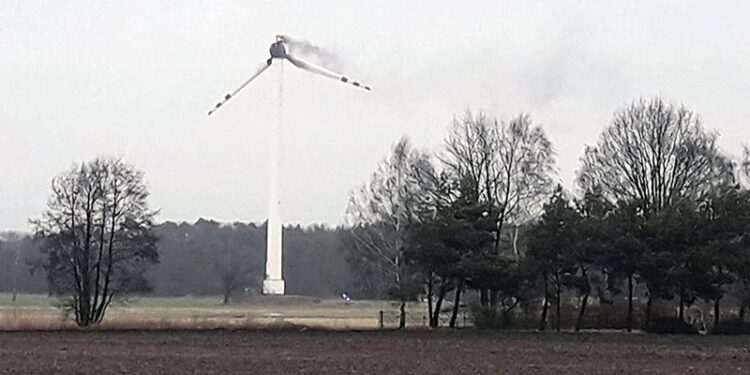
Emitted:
pixel 465 351
pixel 40 312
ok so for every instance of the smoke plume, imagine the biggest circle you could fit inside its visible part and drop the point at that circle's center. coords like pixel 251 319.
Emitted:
pixel 313 52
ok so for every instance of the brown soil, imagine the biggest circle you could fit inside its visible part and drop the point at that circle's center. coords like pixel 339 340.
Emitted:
pixel 289 352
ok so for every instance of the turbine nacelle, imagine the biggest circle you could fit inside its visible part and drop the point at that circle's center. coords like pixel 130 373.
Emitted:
pixel 278 49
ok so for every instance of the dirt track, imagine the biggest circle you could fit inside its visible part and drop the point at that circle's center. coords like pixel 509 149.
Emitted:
pixel 422 352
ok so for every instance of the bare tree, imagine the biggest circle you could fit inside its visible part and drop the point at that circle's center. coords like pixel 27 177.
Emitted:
pixel 471 157
pixel 13 243
pixel 652 156
pixel 526 169
pixel 743 166
pixel 507 166
pixel 654 153
pixel 234 269
pixel 97 238
pixel 380 214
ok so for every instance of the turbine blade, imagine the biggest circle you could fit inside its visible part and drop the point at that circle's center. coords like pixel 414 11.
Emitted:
pixel 310 67
pixel 260 69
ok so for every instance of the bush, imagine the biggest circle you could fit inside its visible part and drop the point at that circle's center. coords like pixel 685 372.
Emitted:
pixel 733 327
pixel 671 326
pixel 486 318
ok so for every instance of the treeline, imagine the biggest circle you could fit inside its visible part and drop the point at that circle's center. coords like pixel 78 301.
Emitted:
pixel 658 209
pixel 18 255
pixel 211 258
pixel 660 214
pixel 208 258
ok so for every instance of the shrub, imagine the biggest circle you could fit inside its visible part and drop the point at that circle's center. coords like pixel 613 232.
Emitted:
pixel 733 327
pixel 487 318
pixel 671 326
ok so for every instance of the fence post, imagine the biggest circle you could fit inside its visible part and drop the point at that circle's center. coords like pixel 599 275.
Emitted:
pixel 381 322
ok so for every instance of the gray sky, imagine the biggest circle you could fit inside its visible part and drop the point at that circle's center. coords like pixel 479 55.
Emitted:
pixel 135 79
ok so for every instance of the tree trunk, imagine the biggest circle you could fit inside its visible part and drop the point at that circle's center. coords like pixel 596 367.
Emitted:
pixel 743 311
pixel 515 244
pixel 402 315
pixel 630 303
pixel 15 272
pixel 558 288
pixel 581 312
pixel 435 318
pixel 584 300
pixel 717 315
pixel 484 300
pixel 429 297
pixel 85 298
pixel 225 300
pixel 681 312
pixel 545 304
pixel 648 310
pixel 499 227
pixel 456 303
pixel 493 299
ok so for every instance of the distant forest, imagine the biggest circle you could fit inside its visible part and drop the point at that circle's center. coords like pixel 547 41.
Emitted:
pixel 206 258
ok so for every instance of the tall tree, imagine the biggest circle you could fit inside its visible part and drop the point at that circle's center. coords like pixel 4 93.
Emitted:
pixel 553 240
pixel 97 236
pixel 526 166
pixel 506 167
pixel 234 268
pixel 381 213
pixel 744 166
pixel 17 251
pixel 652 156
pixel 436 260
pixel 591 237
pixel 654 153
pixel 720 255
pixel 470 234
pixel 676 232
pixel 626 246
pixel 743 268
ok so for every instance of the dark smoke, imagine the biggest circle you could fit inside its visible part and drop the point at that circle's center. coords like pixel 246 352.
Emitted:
pixel 313 52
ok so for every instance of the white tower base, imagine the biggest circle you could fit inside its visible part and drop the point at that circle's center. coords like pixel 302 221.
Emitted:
pixel 273 286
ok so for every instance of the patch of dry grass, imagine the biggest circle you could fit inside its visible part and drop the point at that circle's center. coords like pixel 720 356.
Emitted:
pixel 203 313
pixel 34 320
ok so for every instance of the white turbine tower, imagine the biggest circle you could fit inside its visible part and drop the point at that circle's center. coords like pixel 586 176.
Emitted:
pixel 273 283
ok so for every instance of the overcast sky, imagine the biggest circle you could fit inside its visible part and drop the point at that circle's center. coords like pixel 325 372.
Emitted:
pixel 136 78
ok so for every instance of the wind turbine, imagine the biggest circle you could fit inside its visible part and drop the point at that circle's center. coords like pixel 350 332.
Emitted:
pixel 273 283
